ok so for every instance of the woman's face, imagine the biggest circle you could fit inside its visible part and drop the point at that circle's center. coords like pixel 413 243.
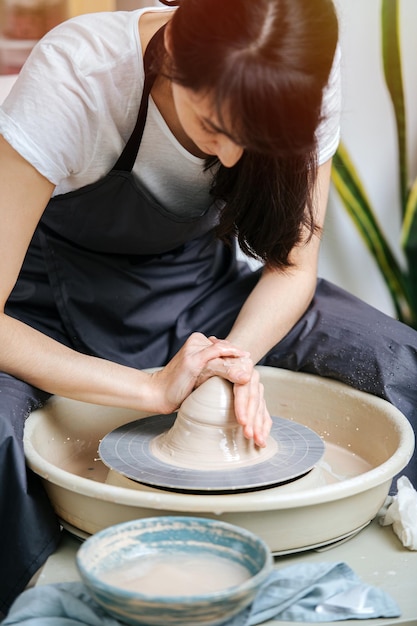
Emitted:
pixel 199 121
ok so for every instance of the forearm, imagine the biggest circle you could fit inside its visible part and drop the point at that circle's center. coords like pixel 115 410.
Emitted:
pixel 272 309
pixel 41 361
pixel 281 297
pixel 44 363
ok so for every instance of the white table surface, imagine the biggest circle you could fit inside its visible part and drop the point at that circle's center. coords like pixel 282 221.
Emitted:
pixel 375 555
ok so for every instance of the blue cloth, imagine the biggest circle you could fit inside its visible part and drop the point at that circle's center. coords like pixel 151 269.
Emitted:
pixel 306 592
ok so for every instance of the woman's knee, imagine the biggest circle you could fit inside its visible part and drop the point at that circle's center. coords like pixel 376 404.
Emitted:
pixel 17 400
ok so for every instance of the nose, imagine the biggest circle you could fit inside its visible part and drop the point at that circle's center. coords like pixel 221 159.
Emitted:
pixel 228 152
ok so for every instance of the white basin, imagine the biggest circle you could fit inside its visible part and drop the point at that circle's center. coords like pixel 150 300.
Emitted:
pixel 368 441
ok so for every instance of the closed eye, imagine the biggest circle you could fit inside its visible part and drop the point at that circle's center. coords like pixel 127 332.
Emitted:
pixel 208 127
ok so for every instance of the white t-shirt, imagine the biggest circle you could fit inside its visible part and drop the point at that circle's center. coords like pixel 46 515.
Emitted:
pixel 76 101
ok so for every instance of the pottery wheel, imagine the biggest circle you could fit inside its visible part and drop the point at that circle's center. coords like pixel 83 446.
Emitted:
pixel 127 450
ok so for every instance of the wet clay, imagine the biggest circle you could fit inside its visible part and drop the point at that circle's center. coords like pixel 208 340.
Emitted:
pixel 176 574
pixel 206 434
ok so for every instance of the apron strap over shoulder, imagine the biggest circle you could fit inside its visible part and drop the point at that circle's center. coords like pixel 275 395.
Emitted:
pixel 127 159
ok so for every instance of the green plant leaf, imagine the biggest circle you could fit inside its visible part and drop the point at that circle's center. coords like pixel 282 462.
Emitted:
pixel 355 200
pixel 391 55
pixel 409 245
pixel 402 284
pixel 409 226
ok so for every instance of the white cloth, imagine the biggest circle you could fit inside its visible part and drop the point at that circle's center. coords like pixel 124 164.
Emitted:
pixel 76 102
pixel 401 512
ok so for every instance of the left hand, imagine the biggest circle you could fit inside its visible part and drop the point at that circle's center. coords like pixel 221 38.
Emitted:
pixel 249 402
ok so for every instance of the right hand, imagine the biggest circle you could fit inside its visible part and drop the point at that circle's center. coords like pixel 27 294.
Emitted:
pixel 183 373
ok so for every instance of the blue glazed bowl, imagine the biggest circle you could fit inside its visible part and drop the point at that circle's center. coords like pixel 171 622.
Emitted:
pixel 163 571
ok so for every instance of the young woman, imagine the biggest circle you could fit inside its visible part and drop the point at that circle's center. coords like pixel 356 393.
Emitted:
pixel 126 183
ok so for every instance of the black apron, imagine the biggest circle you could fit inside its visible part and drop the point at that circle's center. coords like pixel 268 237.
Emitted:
pixel 119 276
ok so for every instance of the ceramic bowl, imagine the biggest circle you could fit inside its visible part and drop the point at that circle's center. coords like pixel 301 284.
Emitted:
pixel 162 571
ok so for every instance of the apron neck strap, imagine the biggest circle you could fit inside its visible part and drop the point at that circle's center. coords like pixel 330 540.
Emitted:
pixel 128 157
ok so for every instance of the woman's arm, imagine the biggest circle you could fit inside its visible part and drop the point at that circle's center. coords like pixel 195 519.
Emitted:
pixel 281 297
pixel 277 302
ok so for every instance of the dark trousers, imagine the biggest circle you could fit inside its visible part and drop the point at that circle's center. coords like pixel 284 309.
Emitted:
pixel 29 530
pixel 343 338
pixel 339 337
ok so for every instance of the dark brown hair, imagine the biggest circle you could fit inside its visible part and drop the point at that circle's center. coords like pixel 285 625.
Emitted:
pixel 269 61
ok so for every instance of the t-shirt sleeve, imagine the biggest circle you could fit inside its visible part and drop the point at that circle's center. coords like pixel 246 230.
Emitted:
pixel 76 99
pixel 328 132
pixel 51 112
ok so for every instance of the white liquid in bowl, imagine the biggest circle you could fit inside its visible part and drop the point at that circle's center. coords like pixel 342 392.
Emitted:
pixel 179 574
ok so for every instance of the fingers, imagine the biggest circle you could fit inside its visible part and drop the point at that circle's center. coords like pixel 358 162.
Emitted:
pixel 251 410
pixel 203 349
pixel 237 368
pixel 190 366
pixel 250 407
